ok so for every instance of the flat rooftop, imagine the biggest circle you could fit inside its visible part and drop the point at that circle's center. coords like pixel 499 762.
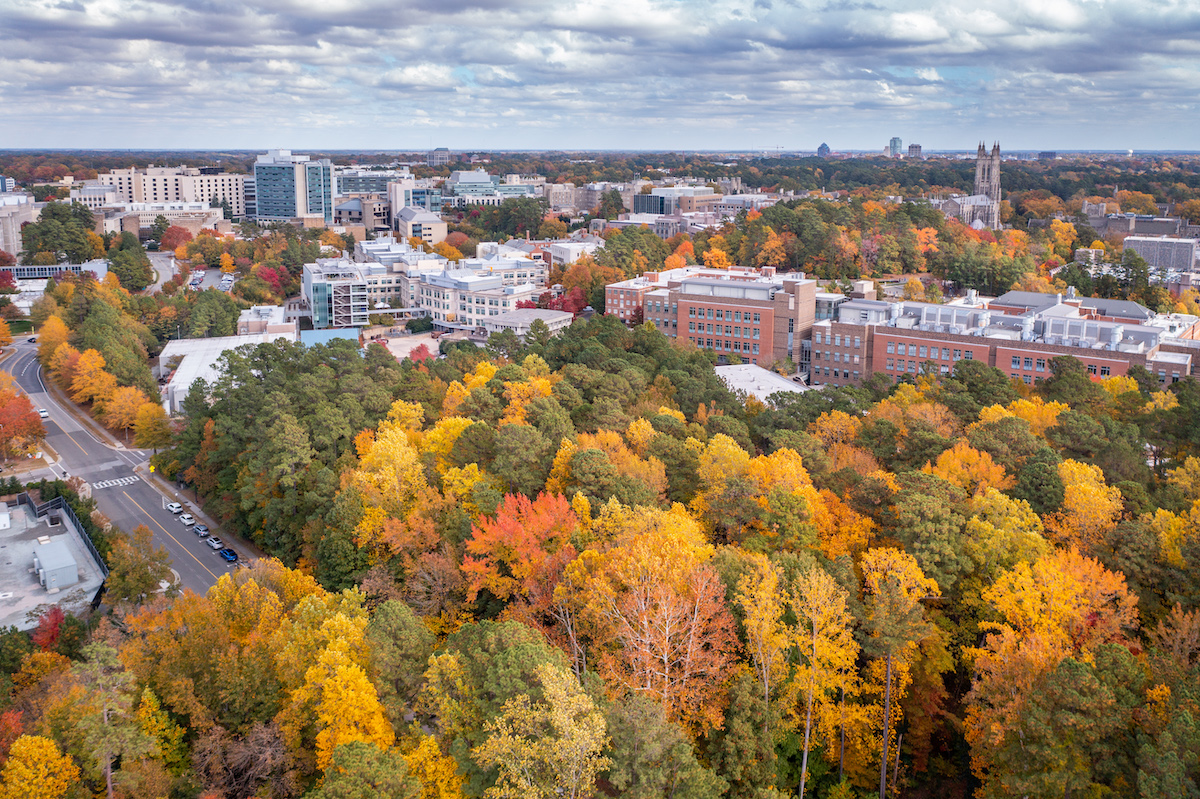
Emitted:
pixel 20 591
pixel 757 381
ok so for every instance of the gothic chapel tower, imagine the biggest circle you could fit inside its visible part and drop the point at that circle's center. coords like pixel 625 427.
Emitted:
pixel 987 179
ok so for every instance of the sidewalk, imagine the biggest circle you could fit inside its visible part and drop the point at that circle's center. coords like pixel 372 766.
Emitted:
pixel 165 487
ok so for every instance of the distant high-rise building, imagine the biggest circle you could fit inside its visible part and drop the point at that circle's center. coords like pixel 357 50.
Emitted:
pixel 1047 155
pixel 914 151
pixel 438 157
pixel 823 151
pixel 290 186
pixel 894 146
pixel 7 184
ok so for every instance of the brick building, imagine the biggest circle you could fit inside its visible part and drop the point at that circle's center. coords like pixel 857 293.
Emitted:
pixel 757 315
pixel 1017 333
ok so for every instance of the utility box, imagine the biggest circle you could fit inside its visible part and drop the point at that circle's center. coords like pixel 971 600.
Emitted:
pixel 55 565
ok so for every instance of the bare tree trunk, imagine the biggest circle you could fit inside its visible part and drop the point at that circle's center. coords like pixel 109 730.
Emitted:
pixel 807 738
pixel 887 710
pixel 842 747
pixel 896 770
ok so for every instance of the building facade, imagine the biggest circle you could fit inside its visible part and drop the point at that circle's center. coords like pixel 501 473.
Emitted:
pixel 289 187
pixel 1163 253
pixel 417 222
pixel 336 292
pixel 178 184
pixel 1018 333
pixel 16 209
pixel 895 146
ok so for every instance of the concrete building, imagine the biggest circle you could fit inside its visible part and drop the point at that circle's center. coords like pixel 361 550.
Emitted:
pixel 676 199
pixel 1018 333
pixel 349 180
pixel 733 204
pixel 417 222
pixel 438 157
pixel 194 217
pixel 568 252
pixel 464 298
pixel 48 560
pixel 292 187
pixel 477 187
pixel 371 211
pixel 519 321
pixel 7 184
pixel 16 209
pixel 178 184
pixel 336 292
pixel 914 151
pixel 96 196
pixel 260 319
pixel 411 193
pixel 1163 253
pixel 98 267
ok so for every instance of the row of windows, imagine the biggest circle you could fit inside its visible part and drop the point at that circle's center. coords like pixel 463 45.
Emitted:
pixel 836 357
pixel 736 332
pixel 915 366
pixel 836 339
pixel 839 373
pixel 730 316
pixel 727 346
pixel 1041 364
pixel 924 351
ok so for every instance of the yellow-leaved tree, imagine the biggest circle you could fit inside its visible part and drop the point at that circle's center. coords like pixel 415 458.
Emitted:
pixel 549 749
pixel 827 649
pixel 35 769
pixel 761 602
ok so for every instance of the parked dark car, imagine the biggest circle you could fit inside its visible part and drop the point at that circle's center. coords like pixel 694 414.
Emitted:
pixel 228 554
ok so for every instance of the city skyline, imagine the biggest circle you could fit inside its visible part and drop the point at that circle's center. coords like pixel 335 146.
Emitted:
pixel 634 75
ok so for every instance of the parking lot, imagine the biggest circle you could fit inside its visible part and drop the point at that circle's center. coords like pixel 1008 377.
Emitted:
pixel 210 279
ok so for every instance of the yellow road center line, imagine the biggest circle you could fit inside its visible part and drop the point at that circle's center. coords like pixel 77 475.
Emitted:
pixel 173 538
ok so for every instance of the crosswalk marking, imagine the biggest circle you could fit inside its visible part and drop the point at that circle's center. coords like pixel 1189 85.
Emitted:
pixel 120 481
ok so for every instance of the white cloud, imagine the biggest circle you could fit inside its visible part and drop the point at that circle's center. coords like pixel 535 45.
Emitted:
pixel 587 73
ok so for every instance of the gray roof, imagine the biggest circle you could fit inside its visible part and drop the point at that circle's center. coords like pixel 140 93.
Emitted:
pixel 1117 308
pixel 413 214
pixel 350 205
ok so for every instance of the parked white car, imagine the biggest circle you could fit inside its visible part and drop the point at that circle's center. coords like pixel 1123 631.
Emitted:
pixel 174 507
pixel 188 519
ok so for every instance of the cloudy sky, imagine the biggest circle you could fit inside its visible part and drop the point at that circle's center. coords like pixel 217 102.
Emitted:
pixel 606 74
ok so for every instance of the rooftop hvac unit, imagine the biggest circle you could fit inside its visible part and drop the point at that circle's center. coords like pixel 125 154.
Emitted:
pixel 42 577
pixel 37 564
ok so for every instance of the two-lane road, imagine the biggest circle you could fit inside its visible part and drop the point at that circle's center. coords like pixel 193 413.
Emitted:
pixel 120 493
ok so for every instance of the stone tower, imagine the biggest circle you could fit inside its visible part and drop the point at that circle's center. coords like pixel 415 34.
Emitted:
pixel 987 172
pixel 987 181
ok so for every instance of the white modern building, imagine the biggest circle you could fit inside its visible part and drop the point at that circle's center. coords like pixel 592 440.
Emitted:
pixel 336 292
pixel 521 320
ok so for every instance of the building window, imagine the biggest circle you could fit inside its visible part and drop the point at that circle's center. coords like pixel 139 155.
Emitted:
pixel 924 351
pixel 1016 361
pixel 1092 369
pixel 737 316
pixel 710 313
pixel 756 353
pixel 728 330
pixel 945 354
pixel 737 331
pixel 756 332
pixel 1029 363
pixel 837 357
pixel 912 349
pixel 837 341
pixel 891 364
pixel 1026 379
pixel 857 342
pixel 891 348
pixel 968 355
pixel 1105 371
pixel 692 329
pixel 692 314
pixel 957 355
pixel 1041 364
pixel 756 319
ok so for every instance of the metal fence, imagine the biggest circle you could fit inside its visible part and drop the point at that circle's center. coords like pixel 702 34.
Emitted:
pixel 60 504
